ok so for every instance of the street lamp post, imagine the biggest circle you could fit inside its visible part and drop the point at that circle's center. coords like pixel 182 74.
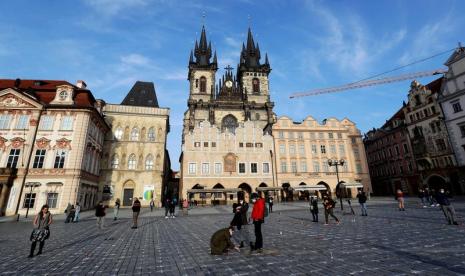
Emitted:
pixel 336 163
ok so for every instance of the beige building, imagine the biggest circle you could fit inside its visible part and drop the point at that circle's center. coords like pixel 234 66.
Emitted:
pixel 226 140
pixel 302 151
pixel 135 153
pixel 51 142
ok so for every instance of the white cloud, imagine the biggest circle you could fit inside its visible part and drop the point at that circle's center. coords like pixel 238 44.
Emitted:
pixel 114 7
pixel 135 59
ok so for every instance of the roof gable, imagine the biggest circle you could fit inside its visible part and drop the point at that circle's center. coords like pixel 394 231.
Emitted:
pixel 10 98
pixel 141 94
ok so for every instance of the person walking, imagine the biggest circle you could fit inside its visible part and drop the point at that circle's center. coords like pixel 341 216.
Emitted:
pixel 167 206
pixel 135 213
pixel 258 218
pixel 152 204
pixel 270 204
pixel 400 199
pixel 362 200
pixel 447 208
pixel 173 204
pixel 429 197
pixel 41 231
pixel 329 204
pixel 77 212
pixel 421 195
pixel 100 214
pixel 314 208
pixel 70 214
pixel 116 209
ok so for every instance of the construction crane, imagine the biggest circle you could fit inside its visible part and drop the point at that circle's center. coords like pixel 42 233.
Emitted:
pixel 366 83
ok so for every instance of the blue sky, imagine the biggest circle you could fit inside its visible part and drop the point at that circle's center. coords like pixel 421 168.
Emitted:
pixel 113 43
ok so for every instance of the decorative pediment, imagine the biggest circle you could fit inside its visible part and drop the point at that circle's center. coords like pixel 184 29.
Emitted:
pixel 10 98
pixel 63 143
pixel 3 143
pixel 42 143
pixel 17 142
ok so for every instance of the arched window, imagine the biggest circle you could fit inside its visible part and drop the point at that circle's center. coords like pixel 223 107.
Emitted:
pixel 132 162
pixel 151 134
pixel 135 134
pixel 149 162
pixel 119 133
pixel 142 134
pixel 115 161
pixel 126 133
pixel 203 85
pixel 229 123
pixel 158 162
pixel 256 86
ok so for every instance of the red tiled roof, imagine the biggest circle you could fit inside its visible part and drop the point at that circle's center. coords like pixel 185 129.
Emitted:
pixel 435 86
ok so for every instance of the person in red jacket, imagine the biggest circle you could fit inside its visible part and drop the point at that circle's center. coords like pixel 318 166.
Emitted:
pixel 258 217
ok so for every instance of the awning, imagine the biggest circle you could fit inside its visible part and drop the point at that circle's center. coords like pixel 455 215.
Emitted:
pixel 199 191
pixel 32 184
pixel 352 185
pixel 264 189
pixel 310 188
pixel 55 183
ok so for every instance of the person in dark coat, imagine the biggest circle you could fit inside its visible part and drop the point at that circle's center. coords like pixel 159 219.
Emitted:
pixel 329 204
pixel 421 196
pixel 135 213
pixel 70 215
pixel 270 204
pixel 100 214
pixel 362 200
pixel 167 207
pixel 221 243
pixel 314 208
pixel 447 208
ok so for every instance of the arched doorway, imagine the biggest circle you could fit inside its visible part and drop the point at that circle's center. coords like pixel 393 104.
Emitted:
pixel 245 193
pixel 324 192
pixel 304 194
pixel 128 192
pixel 286 192
pixel 217 197
pixel 436 182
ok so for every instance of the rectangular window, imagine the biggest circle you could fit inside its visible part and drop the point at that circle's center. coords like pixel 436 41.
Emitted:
pixel 282 149
pixel 241 167
pixel 253 167
pixel 293 166
pixel 440 144
pixel 462 130
pixel 52 199
pixel 23 122
pixel 249 145
pixel 314 149
pixel 283 166
pixel 39 159
pixel 358 167
pixel 205 168
pixel 197 144
pixel 303 166
pixel 66 123
pixel 29 200
pixel 13 158
pixel 339 135
pixel 192 168
pixel 457 107
pixel 241 145
pixel 397 150
pixel 258 145
pixel 218 168
pixel 332 148
pixel 213 144
pixel 266 167
pixel 323 149
pixel 205 144
pixel 342 150
pixel 316 166
pixel 292 149
pixel 330 135
pixel 302 149
pixel 5 121
pixel 281 135
pixel 300 135
pixel 60 159
pixel 46 123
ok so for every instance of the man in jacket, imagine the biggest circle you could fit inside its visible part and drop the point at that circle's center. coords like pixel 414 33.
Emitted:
pixel 447 208
pixel 258 218
pixel 135 213
pixel 221 242
pixel 362 199
pixel 100 214
pixel 329 204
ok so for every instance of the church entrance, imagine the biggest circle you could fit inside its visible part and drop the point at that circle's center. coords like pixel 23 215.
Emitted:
pixel 127 197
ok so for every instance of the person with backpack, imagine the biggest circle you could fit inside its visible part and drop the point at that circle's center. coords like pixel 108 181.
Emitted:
pixel 447 208
pixel 329 204
pixel 135 213
pixel 100 214
pixel 258 218
pixel 314 208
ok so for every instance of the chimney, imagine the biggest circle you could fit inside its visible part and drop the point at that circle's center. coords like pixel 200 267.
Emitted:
pixel 81 84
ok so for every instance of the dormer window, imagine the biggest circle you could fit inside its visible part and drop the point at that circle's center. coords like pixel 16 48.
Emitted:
pixel 63 94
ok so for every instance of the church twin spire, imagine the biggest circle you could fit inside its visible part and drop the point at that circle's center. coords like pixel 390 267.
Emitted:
pixel 203 53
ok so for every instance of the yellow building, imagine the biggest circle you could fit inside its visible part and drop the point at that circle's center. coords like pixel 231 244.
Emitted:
pixel 135 156
pixel 302 152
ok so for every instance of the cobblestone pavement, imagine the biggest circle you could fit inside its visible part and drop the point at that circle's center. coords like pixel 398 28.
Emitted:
pixel 386 242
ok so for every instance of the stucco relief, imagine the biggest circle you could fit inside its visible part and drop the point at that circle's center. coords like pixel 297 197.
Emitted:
pixel 43 143
pixel 62 143
pixel 17 142
pixel 3 143
pixel 13 101
pixel 230 162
